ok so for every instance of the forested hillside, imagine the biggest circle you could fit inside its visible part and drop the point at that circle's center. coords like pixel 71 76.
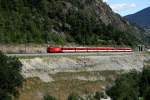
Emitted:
pixel 62 21
pixel 140 18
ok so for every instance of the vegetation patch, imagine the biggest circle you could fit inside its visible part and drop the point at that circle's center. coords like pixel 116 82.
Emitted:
pixel 10 78
pixel 132 86
pixel 65 85
pixel 57 21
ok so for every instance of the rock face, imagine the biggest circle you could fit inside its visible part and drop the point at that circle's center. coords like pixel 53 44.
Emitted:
pixel 43 67
pixel 105 14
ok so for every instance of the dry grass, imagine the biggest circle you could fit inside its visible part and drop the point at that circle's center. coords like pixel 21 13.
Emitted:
pixel 64 84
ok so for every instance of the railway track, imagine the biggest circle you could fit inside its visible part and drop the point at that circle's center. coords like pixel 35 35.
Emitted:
pixel 71 54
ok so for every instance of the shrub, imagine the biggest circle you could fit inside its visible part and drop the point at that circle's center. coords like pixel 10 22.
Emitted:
pixel 99 95
pixel 126 87
pixel 145 80
pixel 146 94
pixel 73 97
pixel 10 77
pixel 47 97
pixel 132 86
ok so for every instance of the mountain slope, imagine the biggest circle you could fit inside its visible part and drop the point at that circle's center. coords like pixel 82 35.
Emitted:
pixel 141 18
pixel 62 21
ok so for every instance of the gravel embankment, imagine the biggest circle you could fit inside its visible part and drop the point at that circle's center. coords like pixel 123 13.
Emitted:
pixel 42 67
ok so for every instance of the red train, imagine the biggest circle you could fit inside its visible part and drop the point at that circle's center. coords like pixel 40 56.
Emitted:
pixel 87 49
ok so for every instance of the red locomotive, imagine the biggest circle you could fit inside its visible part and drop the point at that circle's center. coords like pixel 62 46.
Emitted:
pixel 87 49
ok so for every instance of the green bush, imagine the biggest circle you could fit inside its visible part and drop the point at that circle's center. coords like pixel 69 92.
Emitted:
pixel 126 87
pixel 99 95
pixel 132 86
pixel 56 38
pixel 73 97
pixel 47 97
pixel 145 83
pixel 146 93
pixel 10 78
